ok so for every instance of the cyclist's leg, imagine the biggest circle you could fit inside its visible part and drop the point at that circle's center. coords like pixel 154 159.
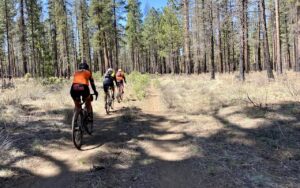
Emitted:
pixel 113 91
pixel 86 95
pixel 106 93
pixel 76 98
pixel 122 87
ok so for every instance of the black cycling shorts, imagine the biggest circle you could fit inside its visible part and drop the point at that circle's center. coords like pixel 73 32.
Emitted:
pixel 106 86
pixel 79 90
pixel 120 83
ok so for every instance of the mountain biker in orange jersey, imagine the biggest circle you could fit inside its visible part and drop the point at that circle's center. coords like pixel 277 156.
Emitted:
pixel 80 87
pixel 120 76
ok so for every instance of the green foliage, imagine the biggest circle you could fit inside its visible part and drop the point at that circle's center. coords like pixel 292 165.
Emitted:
pixel 151 29
pixel 101 22
pixel 133 24
pixel 52 81
pixel 139 83
pixel 27 76
pixel 170 34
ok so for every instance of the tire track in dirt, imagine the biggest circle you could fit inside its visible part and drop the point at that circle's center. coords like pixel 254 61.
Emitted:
pixel 136 133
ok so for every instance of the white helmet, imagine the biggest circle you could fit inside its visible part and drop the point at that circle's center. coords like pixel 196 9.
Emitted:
pixel 110 71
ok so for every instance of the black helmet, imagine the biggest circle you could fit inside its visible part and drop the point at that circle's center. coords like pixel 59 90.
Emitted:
pixel 84 66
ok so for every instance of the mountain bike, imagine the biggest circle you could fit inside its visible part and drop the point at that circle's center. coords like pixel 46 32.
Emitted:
pixel 109 101
pixel 81 123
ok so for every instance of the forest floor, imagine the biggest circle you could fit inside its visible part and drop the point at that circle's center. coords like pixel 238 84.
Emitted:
pixel 185 132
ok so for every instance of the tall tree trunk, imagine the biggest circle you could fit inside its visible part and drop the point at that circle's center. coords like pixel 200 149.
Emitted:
pixel 204 33
pixel 266 42
pixel 298 38
pixel 66 40
pixel 242 41
pixel 23 37
pixel 287 39
pixel 55 50
pixel 278 41
pixel 258 66
pixel 220 43
pixel 246 33
pixel 116 34
pixel 7 29
pixel 212 53
pixel 82 37
pixel 187 36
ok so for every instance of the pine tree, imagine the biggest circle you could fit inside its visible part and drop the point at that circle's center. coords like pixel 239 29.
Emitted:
pixel 133 31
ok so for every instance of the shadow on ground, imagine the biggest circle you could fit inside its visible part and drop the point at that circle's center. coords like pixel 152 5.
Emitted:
pixel 234 156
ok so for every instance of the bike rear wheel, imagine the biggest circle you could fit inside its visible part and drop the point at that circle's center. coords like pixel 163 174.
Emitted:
pixel 77 133
pixel 120 94
pixel 107 107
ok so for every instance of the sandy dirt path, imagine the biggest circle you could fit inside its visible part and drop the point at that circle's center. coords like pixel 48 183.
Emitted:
pixel 131 147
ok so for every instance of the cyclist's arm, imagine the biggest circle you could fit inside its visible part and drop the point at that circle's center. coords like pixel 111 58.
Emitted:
pixel 93 84
pixel 115 79
pixel 92 81
pixel 124 79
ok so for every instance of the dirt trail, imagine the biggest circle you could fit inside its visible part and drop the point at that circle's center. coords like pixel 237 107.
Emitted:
pixel 128 148
pixel 145 144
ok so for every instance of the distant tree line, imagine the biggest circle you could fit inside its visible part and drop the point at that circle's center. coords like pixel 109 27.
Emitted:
pixel 185 36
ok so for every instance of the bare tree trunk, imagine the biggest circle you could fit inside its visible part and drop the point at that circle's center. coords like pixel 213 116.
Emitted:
pixel 257 49
pixel 205 45
pixel 212 53
pixel 298 38
pixel 246 36
pixel 278 41
pixel 116 34
pixel 187 36
pixel 7 37
pixel 266 42
pixel 23 37
pixel 242 41
pixel 288 55
pixel 220 44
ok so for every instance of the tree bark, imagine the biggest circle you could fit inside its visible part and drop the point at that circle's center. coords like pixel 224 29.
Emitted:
pixel 23 37
pixel 278 41
pixel 242 41
pixel 116 34
pixel 212 53
pixel 266 42
pixel 287 39
pixel 7 37
pixel 298 38
pixel 220 44
pixel 187 36
pixel 258 66
pixel 246 36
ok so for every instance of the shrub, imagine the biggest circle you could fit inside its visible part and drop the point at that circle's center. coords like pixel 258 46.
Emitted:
pixel 27 76
pixel 52 81
pixel 139 83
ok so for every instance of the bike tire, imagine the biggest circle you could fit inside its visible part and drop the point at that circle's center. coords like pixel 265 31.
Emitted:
pixel 77 133
pixel 89 125
pixel 107 105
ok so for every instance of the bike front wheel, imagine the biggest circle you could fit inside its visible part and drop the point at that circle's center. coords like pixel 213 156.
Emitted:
pixel 89 124
pixel 77 133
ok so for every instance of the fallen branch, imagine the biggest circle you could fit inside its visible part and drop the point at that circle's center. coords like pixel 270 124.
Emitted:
pixel 255 104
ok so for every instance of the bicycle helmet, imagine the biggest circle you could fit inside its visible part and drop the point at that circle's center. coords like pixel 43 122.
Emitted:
pixel 84 66
pixel 110 71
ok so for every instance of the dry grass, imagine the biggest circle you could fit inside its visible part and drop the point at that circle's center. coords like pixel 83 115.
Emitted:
pixel 198 94
pixel 249 131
